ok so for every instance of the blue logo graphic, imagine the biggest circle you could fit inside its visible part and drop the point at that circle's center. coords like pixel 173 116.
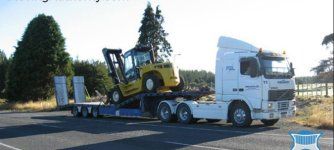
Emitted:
pixel 305 140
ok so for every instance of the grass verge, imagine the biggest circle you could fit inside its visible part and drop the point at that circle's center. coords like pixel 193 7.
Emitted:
pixel 44 105
pixel 314 112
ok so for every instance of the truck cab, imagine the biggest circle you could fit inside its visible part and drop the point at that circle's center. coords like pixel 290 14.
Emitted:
pixel 250 84
pixel 262 80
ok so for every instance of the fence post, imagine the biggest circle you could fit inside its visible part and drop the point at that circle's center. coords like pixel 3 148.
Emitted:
pixel 326 90
pixel 298 89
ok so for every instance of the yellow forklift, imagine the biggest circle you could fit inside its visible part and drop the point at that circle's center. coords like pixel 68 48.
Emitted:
pixel 137 71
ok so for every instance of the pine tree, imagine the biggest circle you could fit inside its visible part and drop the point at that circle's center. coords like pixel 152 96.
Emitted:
pixel 152 32
pixel 3 71
pixel 39 56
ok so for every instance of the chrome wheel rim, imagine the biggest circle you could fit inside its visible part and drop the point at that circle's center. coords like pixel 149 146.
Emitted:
pixel 239 116
pixel 149 84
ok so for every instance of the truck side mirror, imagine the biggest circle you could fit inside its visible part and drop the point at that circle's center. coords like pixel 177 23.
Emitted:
pixel 254 68
pixel 292 69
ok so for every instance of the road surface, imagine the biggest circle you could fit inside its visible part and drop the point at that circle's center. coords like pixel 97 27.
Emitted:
pixel 59 130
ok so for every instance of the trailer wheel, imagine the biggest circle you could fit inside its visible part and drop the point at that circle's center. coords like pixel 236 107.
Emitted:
pixel 84 111
pixel 75 112
pixel 115 96
pixel 95 112
pixel 241 115
pixel 184 114
pixel 212 120
pixel 151 83
pixel 270 122
pixel 179 87
pixel 165 113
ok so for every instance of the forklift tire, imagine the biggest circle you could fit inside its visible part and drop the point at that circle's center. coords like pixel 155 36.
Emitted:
pixel 179 87
pixel 151 83
pixel 240 115
pixel 115 96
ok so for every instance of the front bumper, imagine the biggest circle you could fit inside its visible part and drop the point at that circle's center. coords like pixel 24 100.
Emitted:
pixel 279 109
pixel 274 114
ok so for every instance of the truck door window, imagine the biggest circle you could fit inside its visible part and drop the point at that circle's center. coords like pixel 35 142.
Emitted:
pixel 245 67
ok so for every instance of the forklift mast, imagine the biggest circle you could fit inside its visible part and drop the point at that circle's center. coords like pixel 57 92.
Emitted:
pixel 111 63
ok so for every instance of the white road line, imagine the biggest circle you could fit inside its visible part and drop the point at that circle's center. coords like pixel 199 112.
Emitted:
pixel 215 130
pixel 8 146
pixel 202 129
pixel 198 146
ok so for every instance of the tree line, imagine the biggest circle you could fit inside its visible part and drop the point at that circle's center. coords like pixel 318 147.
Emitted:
pixel 40 55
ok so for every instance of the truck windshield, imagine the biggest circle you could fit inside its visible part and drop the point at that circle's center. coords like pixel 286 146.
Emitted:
pixel 276 67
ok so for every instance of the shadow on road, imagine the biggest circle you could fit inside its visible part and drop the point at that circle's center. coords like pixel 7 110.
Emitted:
pixel 160 136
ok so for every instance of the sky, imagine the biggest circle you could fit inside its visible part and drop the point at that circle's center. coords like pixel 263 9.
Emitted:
pixel 194 27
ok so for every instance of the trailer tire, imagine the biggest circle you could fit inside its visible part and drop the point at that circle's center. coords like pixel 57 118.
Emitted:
pixel 84 111
pixel 269 122
pixel 95 112
pixel 240 115
pixel 75 112
pixel 115 96
pixel 184 115
pixel 151 83
pixel 165 113
pixel 212 120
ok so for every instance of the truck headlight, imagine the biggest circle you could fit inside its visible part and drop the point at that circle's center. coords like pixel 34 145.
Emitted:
pixel 270 105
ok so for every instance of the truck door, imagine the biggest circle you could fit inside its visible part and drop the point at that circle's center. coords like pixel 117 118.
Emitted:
pixel 230 76
pixel 250 86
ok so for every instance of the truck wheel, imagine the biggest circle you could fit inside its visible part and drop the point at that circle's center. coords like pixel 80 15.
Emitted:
pixel 75 112
pixel 180 86
pixel 212 120
pixel 84 111
pixel 115 96
pixel 270 122
pixel 151 83
pixel 184 114
pixel 95 112
pixel 165 113
pixel 241 115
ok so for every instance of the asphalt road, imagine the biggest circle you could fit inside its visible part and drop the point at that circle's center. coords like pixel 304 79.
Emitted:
pixel 59 130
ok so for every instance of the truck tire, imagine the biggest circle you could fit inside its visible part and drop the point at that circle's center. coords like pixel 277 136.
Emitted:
pixel 184 115
pixel 165 114
pixel 84 111
pixel 95 112
pixel 115 96
pixel 151 83
pixel 75 111
pixel 269 122
pixel 179 87
pixel 240 115
pixel 212 120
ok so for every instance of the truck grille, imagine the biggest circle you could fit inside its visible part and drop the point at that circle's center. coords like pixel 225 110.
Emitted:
pixel 283 105
pixel 276 95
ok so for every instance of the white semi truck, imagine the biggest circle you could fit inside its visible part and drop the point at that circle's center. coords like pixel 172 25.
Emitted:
pixel 250 84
